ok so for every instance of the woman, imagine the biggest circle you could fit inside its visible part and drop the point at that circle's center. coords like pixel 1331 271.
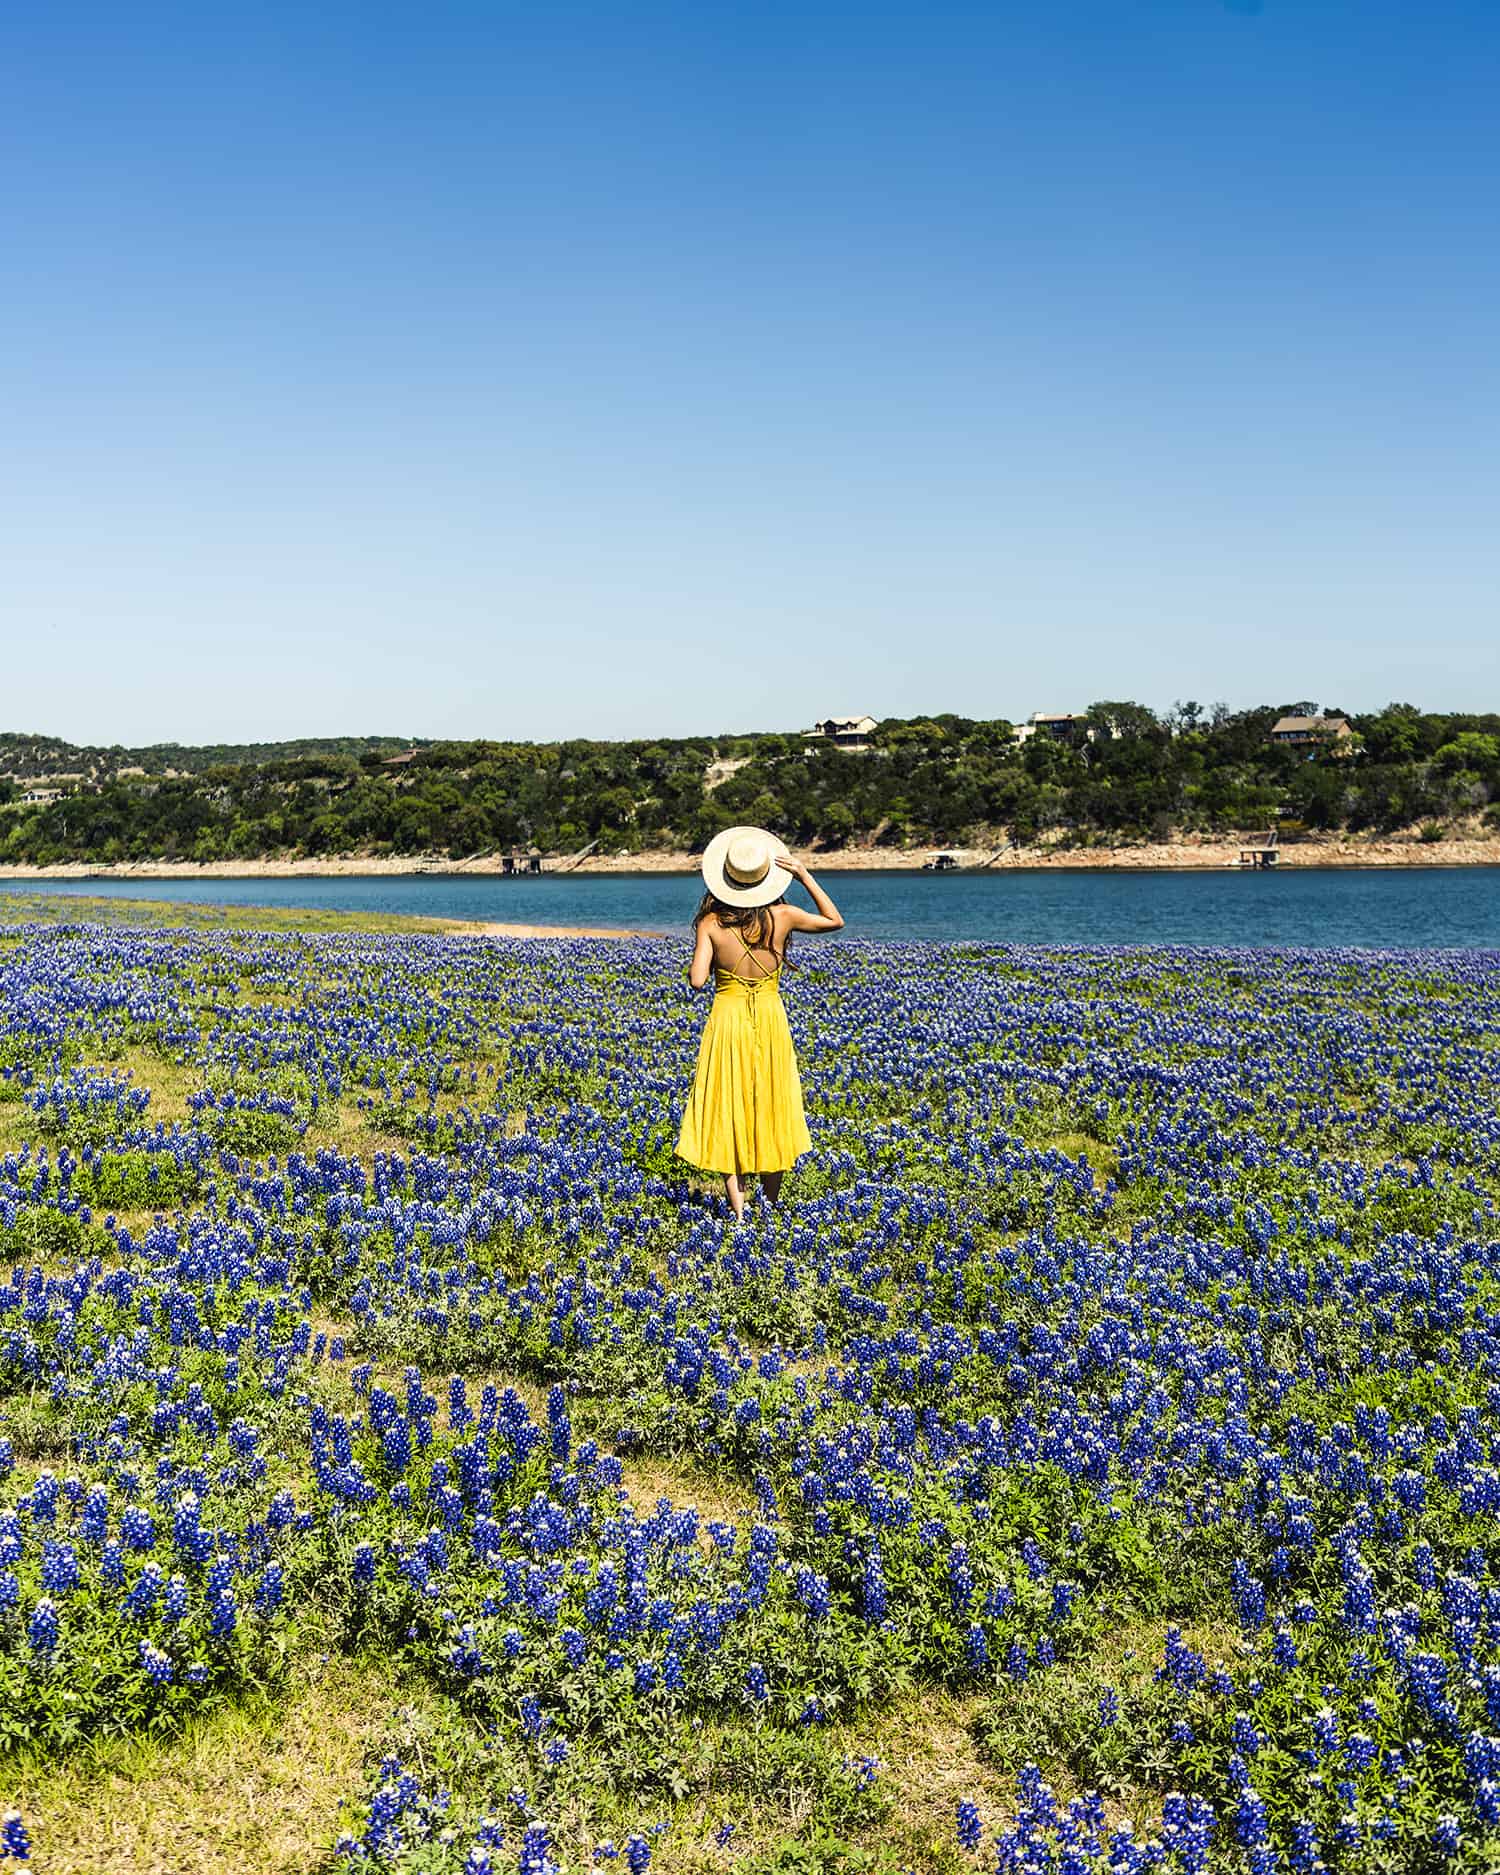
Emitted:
pixel 744 1115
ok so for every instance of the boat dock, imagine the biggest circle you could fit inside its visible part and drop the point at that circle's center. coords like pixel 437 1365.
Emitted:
pixel 1262 853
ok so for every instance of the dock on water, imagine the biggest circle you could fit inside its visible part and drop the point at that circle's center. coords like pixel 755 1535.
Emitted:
pixel 1262 852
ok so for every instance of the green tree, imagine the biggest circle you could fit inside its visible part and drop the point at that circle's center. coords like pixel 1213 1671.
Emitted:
pixel 1469 749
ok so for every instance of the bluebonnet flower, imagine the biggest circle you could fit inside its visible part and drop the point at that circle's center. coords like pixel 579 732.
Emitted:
pixel 1184 1667
pixel 137 1528
pixel 873 1591
pixel 1251 1825
pixel 1359 1751
pixel 960 1578
pixel 59 1568
pixel 270 1589
pixel 174 1606
pixel 1244 1736
pixel 536 1850
pixel 157 1664
pixel 812 1592
pixel 14 1840
pixel 42 1629
pixel 1249 1597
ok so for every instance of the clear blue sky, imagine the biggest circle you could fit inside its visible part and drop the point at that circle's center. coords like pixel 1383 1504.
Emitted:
pixel 486 370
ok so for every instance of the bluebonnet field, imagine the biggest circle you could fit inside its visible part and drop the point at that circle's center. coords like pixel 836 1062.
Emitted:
pixel 1126 1361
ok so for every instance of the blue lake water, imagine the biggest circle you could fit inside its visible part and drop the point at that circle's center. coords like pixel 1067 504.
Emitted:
pixel 1418 909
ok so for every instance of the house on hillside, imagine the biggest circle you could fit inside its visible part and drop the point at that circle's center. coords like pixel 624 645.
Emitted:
pixel 1060 725
pixel 1313 733
pixel 843 732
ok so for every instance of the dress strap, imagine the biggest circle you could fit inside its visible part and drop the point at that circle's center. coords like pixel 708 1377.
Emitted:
pixel 761 970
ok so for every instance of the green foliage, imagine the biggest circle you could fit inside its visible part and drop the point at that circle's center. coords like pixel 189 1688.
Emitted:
pixel 819 1853
pixel 1128 774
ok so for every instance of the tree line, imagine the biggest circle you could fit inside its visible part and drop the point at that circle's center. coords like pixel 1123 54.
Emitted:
pixel 1123 772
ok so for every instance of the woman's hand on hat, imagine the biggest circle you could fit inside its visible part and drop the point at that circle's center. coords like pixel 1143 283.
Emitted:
pixel 789 862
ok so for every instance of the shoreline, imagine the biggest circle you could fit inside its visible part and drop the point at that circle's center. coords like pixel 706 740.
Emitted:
pixel 469 928
pixel 17 909
pixel 1191 854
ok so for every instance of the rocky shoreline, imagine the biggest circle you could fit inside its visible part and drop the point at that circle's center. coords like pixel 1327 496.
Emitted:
pixel 1191 853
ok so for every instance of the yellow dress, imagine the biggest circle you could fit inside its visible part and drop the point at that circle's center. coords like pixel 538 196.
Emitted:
pixel 744 1113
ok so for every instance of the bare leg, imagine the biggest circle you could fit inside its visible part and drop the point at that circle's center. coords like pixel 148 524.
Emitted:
pixel 770 1184
pixel 735 1191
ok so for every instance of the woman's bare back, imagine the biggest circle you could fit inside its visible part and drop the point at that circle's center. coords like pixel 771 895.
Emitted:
pixel 735 951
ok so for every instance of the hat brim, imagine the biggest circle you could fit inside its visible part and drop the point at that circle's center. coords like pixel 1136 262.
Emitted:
pixel 765 891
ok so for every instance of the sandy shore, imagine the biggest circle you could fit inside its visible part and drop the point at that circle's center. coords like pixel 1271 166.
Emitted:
pixel 1191 852
pixel 547 931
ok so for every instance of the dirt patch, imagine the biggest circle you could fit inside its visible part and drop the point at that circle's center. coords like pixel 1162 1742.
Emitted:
pixel 249 1791
pixel 930 1760
pixel 718 1498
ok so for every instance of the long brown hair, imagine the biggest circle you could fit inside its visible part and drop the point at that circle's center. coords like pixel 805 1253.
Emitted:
pixel 754 923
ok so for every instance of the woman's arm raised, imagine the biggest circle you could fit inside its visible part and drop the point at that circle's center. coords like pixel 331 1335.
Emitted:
pixel 827 917
pixel 701 968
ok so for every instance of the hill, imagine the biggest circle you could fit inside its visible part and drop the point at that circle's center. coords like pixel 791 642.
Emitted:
pixel 1116 769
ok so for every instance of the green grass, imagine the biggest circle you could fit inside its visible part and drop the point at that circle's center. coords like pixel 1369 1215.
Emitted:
pixel 22 907
pixel 253 1787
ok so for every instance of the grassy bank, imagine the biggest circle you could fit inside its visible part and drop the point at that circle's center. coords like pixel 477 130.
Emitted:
pixel 18 906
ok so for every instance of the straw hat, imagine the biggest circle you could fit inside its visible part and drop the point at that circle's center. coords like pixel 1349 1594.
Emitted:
pixel 739 866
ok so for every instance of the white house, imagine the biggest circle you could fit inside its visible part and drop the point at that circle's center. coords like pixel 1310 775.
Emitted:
pixel 1060 725
pixel 844 732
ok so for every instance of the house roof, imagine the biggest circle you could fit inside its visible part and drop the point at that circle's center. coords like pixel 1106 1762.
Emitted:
pixel 1293 725
pixel 837 725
